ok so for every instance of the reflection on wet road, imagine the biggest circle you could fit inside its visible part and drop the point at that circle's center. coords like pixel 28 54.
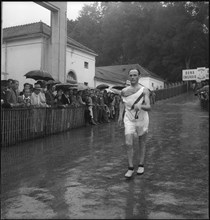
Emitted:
pixel 80 173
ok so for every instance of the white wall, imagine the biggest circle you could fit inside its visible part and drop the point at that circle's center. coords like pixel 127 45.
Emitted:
pixel 21 56
pixel 156 84
pixel 147 82
pixel 75 62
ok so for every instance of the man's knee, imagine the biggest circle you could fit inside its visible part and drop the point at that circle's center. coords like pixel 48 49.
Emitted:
pixel 129 147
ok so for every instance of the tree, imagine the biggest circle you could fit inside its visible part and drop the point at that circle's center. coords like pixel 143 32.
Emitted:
pixel 164 37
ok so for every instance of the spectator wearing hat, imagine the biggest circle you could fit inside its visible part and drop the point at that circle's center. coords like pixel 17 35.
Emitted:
pixel 35 96
pixel 25 99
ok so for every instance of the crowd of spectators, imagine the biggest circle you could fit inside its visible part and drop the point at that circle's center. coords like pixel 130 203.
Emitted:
pixel 201 90
pixel 100 106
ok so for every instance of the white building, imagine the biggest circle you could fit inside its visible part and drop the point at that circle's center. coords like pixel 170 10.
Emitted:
pixel 118 74
pixel 28 47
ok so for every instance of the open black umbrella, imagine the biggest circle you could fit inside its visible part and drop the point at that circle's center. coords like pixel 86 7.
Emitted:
pixel 118 87
pixel 102 86
pixel 65 86
pixel 82 87
pixel 39 75
pixel 53 82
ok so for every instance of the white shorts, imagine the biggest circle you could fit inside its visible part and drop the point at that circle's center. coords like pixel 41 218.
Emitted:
pixel 136 126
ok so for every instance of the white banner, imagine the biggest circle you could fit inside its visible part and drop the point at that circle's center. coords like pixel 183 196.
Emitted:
pixel 207 73
pixel 199 74
pixel 189 74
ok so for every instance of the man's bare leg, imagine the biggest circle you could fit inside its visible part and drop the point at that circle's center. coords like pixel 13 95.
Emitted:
pixel 142 152
pixel 129 148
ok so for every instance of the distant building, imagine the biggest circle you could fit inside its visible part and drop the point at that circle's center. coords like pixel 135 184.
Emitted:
pixel 28 47
pixel 118 74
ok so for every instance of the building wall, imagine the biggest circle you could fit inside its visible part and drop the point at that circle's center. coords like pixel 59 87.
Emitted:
pixel 156 84
pixel 151 83
pixel 57 51
pixel 75 60
pixel 98 82
pixel 19 57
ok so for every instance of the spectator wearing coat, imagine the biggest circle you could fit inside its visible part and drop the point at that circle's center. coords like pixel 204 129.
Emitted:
pixel 12 94
pixel 60 102
pixel 25 99
pixel 38 99
pixel 50 97
pixel 4 88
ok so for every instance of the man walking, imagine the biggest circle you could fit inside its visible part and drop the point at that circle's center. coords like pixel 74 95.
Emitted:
pixel 136 119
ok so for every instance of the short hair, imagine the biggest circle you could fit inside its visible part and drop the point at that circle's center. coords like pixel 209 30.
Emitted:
pixel 26 84
pixel 136 70
pixel 10 80
pixel 14 81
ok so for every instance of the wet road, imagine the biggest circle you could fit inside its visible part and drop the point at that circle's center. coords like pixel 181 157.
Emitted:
pixel 80 174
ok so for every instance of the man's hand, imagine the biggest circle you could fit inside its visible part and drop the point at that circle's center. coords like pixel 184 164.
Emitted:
pixel 137 107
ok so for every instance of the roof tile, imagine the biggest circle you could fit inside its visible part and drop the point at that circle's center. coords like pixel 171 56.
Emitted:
pixel 119 73
pixel 38 27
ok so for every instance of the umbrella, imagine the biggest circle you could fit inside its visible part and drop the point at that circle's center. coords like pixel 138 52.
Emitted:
pixel 39 75
pixel 118 87
pixel 102 86
pixel 82 87
pixel 53 82
pixel 65 86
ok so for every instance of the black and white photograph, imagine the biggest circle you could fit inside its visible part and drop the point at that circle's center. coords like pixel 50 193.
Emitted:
pixel 105 110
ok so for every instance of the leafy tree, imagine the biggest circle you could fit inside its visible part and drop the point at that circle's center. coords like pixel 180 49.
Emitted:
pixel 164 37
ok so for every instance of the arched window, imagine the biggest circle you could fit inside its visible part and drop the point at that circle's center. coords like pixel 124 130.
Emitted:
pixel 71 77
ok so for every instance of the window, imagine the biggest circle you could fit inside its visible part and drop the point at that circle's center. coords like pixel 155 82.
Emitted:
pixel 71 77
pixel 86 65
pixel 86 83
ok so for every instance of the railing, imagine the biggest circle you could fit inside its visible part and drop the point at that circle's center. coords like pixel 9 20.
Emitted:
pixel 170 92
pixel 21 124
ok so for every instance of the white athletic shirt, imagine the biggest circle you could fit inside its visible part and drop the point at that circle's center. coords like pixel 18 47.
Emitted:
pixel 130 113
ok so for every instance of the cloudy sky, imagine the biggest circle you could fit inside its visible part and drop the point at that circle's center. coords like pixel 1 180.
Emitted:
pixel 18 13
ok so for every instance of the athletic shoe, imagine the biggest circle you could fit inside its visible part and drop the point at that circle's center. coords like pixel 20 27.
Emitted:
pixel 140 170
pixel 129 173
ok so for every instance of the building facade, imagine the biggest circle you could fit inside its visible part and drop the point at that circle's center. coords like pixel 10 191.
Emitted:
pixel 28 47
pixel 118 74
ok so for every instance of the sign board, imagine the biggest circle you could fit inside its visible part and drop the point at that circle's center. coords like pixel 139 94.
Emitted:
pixel 199 74
pixel 207 73
pixel 189 74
